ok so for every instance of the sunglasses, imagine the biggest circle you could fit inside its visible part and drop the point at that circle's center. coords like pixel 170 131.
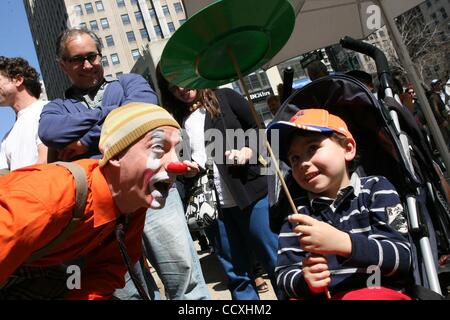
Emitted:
pixel 172 87
pixel 79 60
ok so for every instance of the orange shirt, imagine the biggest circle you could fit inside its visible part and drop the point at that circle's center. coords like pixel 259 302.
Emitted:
pixel 36 203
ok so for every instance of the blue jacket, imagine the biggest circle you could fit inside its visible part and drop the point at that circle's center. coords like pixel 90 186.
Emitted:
pixel 64 121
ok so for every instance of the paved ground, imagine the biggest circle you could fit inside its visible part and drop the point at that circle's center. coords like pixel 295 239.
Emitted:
pixel 215 279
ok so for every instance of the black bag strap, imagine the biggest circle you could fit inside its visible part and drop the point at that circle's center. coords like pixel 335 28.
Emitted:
pixel 81 191
pixel 120 236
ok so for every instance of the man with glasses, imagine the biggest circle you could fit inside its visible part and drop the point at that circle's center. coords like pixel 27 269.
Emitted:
pixel 72 126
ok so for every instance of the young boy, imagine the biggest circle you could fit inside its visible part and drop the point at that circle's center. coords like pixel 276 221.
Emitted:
pixel 349 234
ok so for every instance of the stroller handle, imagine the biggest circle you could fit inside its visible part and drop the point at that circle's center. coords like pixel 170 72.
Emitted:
pixel 376 54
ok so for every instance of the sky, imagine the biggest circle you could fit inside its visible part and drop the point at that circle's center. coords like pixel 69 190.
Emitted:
pixel 15 41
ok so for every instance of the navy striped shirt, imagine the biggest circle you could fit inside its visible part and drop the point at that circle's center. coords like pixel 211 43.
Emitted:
pixel 370 211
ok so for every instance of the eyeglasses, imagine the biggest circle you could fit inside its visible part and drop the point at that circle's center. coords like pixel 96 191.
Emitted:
pixel 79 60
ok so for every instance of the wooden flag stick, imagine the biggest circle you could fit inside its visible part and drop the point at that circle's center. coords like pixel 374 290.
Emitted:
pixel 266 143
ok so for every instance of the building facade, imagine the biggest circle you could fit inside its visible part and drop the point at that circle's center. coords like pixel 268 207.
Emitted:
pixel 425 31
pixel 47 19
pixel 124 27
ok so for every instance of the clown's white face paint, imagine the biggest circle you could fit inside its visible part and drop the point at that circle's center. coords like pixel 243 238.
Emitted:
pixel 156 151
pixel 154 164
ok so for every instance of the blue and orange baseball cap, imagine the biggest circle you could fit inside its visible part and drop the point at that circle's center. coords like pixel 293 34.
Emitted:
pixel 313 120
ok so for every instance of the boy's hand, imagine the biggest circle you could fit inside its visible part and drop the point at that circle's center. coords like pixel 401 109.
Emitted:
pixel 315 271
pixel 320 237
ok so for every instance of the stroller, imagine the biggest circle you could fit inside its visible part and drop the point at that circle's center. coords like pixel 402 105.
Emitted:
pixel 390 144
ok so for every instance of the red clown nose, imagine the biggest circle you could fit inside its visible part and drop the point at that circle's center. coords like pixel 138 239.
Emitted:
pixel 176 167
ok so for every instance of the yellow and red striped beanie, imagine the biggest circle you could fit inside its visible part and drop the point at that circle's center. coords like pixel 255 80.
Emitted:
pixel 127 124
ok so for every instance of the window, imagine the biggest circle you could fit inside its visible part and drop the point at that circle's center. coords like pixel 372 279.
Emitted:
pixel 89 8
pixel 125 19
pixel 136 54
pixel 109 41
pixel 144 34
pixel 165 10
pixel 138 16
pixel 105 62
pixel 171 27
pixel 118 74
pixel 257 80
pixel 101 43
pixel 152 13
pixel 158 31
pixel 120 3
pixel 94 25
pixel 182 21
pixel 99 6
pixel 131 37
pixel 83 25
pixel 133 2
pixel 104 22
pixel 115 59
pixel 78 10
pixel 178 7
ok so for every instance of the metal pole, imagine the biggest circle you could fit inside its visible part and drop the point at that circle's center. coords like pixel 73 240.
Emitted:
pixel 424 104
pixel 425 247
pixel 424 242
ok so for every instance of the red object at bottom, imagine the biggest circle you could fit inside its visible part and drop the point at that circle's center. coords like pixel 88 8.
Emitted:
pixel 375 293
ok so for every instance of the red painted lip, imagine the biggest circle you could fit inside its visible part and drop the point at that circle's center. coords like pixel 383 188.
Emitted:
pixel 148 174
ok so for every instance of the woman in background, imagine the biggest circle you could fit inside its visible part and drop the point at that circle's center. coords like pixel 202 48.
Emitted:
pixel 243 224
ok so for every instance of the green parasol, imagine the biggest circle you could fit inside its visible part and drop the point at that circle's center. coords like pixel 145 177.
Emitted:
pixel 198 53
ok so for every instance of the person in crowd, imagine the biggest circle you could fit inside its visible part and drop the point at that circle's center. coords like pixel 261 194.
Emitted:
pixel 316 70
pixel 257 273
pixel 273 102
pixel 447 96
pixel 20 89
pixel 243 225
pixel 347 227
pixel 365 78
pixel 409 100
pixel 71 126
pixel 438 107
pixel 37 204
pixel 280 91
